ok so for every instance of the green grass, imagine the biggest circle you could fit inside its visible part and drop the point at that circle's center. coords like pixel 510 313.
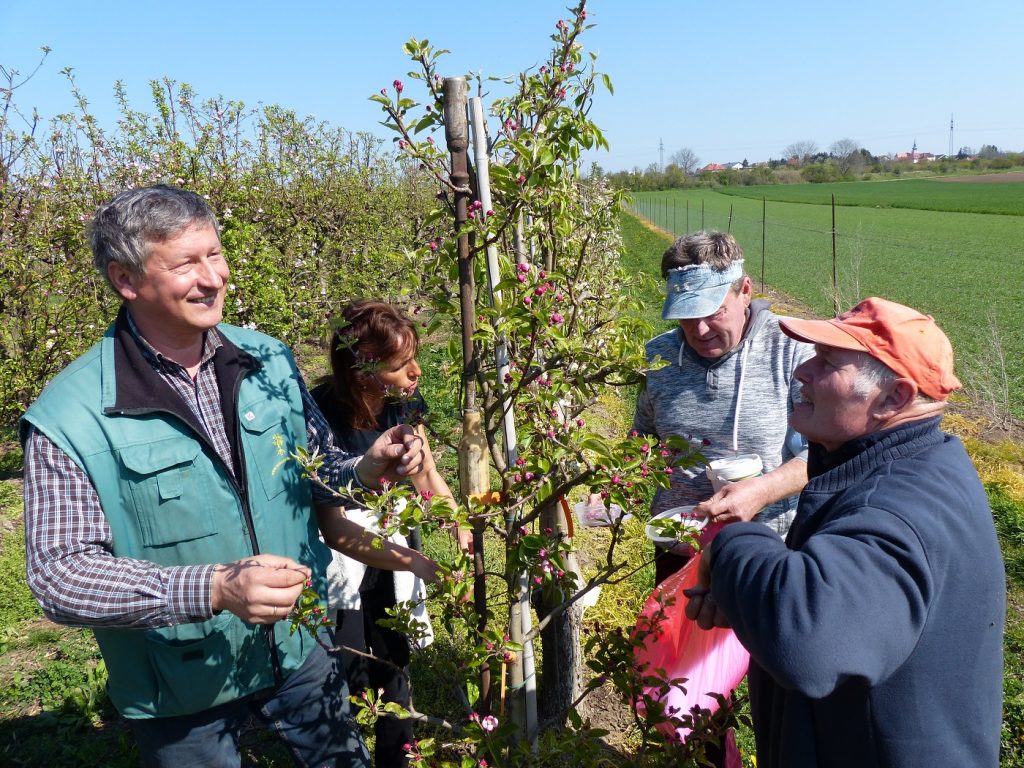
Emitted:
pixel 962 268
pixel 1009 517
pixel 445 417
pixel 53 706
pixel 921 194
pixel 1013 682
pixel 642 255
pixel 16 603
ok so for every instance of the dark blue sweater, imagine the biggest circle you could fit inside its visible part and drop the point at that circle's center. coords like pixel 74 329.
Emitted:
pixel 875 631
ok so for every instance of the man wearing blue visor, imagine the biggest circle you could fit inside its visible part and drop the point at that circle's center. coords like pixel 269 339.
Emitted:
pixel 728 387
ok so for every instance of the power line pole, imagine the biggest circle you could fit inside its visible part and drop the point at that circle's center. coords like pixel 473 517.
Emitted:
pixel 661 154
pixel 951 134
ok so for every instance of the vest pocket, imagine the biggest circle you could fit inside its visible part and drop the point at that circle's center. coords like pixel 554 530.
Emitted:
pixel 169 492
pixel 197 666
pixel 261 422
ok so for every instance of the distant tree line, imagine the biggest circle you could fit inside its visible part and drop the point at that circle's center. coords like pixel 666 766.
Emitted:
pixel 803 161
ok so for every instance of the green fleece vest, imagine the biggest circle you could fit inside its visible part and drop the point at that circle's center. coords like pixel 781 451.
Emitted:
pixel 169 500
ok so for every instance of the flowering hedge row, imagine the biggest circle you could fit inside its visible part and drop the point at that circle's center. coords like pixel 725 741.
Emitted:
pixel 309 213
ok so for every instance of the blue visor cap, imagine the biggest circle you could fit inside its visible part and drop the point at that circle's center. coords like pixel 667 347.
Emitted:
pixel 697 290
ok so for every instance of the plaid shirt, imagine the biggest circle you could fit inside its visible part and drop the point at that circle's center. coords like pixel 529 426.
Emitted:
pixel 68 542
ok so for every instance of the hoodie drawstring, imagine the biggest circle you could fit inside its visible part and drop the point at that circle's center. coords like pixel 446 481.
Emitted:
pixel 739 396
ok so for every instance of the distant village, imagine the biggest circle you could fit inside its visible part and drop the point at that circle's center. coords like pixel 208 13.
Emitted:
pixel 795 162
pixel 803 162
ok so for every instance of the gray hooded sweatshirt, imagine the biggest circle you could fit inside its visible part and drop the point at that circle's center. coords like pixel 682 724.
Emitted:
pixel 739 402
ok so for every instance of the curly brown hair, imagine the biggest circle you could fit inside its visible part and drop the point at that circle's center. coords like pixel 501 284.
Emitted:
pixel 369 335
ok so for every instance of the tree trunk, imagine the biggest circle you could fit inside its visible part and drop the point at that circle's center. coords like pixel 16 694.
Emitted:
pixel 563 667
pixel 562 670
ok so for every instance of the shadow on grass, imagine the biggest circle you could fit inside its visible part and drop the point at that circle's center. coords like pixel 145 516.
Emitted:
pixel 71 739
pixel 66 738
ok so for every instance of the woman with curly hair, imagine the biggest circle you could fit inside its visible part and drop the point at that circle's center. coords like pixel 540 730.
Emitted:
pixel 373 386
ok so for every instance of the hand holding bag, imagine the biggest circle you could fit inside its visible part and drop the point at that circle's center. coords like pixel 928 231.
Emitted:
pixel 710 660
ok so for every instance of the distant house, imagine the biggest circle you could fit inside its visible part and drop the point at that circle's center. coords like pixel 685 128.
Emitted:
pixel 712 167
pixel 737 166
pixel 915 157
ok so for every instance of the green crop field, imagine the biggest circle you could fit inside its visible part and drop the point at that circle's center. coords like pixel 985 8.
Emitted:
pixel 1005 198
pixel 966 269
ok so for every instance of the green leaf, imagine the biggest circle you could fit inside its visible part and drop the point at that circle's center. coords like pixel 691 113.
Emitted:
pixel 455 347
pixel 597 445
pixel 424 123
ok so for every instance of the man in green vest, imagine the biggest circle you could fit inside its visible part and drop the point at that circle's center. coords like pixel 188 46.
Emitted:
pixel 157 511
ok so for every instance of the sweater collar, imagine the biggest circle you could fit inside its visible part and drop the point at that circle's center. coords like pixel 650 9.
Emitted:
pixel 831 471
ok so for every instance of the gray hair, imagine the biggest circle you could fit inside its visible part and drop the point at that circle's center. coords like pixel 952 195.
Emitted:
pixel 716 249
pixel 873 374
pixel 122 230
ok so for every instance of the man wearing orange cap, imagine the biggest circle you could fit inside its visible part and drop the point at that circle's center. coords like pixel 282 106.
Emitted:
pixel 875 631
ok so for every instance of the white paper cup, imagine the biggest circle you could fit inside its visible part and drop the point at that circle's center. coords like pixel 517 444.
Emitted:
pixel 730 470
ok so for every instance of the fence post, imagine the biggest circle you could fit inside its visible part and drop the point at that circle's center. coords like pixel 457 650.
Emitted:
pixel 835 275
pixel 764 224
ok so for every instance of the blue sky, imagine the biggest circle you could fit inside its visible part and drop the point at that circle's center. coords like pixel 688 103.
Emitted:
pixel 730 80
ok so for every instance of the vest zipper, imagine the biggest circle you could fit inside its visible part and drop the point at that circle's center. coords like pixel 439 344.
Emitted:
pixel 243 482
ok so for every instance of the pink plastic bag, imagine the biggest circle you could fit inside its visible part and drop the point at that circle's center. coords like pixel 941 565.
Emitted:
pixel 710 660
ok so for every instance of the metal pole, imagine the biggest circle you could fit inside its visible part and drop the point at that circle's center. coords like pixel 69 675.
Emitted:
pixel 835 275
pixel 764 224
pixel 729 226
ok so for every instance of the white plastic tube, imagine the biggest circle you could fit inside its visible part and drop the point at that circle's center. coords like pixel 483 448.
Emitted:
pixel 482 162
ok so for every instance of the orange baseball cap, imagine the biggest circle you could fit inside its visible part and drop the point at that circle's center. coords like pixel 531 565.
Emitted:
pixel 909 343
